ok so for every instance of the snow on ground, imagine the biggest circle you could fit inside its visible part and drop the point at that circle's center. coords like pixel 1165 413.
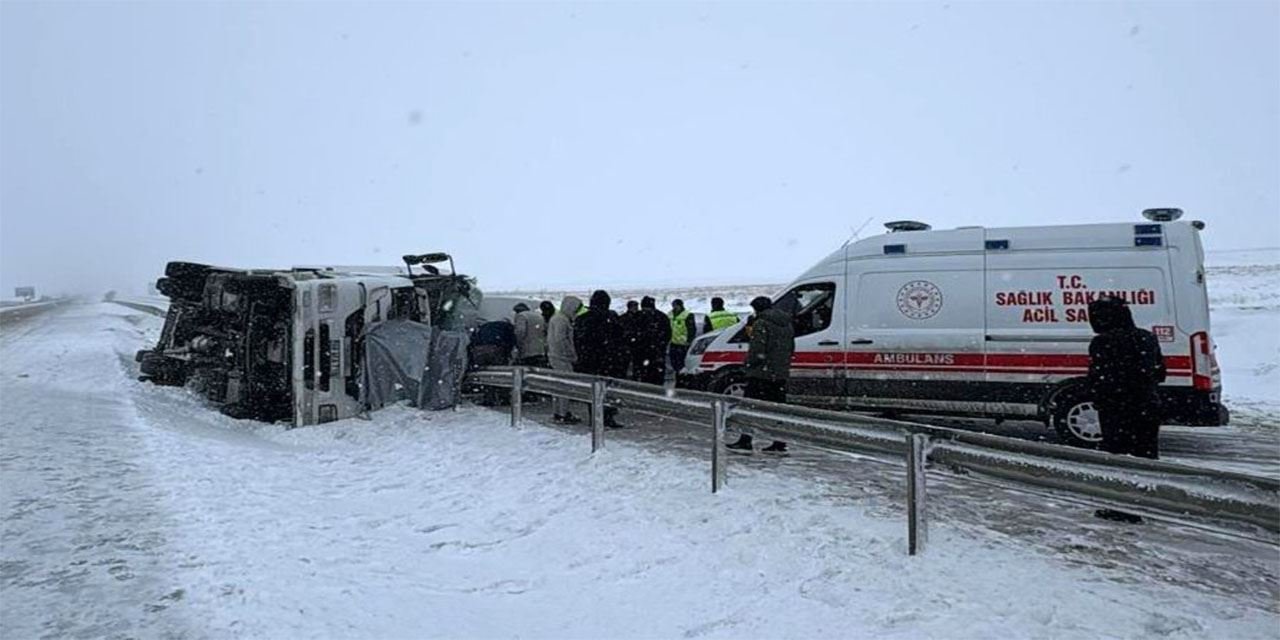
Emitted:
pixel 133 510
pixel 1244 300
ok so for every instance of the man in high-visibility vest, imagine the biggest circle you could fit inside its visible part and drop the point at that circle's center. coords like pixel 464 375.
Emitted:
pixel 718 318
pixel 684 328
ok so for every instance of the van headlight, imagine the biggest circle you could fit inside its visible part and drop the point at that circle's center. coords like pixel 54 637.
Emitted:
pixel 700 345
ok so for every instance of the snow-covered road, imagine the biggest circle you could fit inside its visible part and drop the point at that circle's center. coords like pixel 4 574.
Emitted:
pixel 133 510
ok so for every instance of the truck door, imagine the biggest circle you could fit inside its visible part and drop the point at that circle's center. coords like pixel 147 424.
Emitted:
pixel 817 367
pixel 915 336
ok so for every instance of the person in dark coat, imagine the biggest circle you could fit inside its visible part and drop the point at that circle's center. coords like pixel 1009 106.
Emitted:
pixel 629 322
pixel 768 368
pixel 649 349
pixel 491 345
pixel 1125 369
pixel 601 347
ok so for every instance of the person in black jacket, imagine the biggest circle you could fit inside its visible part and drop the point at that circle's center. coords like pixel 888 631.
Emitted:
pixel 1125 369
pixel 773 342
pixel 601 346
pixel 649 348
pixel 630 326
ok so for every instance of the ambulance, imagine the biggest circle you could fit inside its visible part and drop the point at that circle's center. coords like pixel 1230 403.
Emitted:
pixel 987 322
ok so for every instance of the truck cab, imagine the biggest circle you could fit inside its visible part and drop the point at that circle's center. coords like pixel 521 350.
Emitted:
pixel 287 344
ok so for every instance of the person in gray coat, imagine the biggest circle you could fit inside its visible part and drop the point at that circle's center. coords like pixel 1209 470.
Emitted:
pixel 561 353
pixel 531 337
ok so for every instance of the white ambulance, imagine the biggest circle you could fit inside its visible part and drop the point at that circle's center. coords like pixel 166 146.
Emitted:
pixel 987 322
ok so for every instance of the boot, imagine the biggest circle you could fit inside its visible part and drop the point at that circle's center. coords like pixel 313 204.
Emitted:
pixel 778 446
pixel 743 445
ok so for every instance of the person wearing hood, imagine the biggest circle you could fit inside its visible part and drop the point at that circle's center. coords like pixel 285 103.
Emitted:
pixel 561 352
pixel 531 337
pixel 601 345
pixel 768 368
pixel 1125 369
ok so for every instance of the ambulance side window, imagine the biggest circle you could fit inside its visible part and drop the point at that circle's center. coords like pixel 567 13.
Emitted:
pixel 811 305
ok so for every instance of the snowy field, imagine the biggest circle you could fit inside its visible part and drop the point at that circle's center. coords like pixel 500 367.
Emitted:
pixel 134 511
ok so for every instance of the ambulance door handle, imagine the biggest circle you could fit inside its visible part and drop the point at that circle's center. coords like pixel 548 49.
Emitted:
pixel 860 341
pixel 828 343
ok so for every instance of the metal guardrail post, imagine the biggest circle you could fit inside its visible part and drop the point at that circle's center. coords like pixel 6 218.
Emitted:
pixel 720 413
pixel 517 396
pixel 597 415
pixel 917 529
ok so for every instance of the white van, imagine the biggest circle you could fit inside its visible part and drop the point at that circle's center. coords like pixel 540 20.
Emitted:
pixel 987 322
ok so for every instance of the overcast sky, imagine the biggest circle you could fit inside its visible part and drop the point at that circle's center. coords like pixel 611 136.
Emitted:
pixel 559 144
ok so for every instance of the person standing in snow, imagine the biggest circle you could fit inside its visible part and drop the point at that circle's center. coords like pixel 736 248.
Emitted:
pixel 773 341
pixel 531 337
pixel 598 337
pixel 718 318
pixel 649 351
pixel 1125 369
pixel 630 325
pixel 548 310
pixel 561 352
pixel 684 328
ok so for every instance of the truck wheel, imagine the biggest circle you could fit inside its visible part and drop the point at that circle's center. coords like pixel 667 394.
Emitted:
pixel 1076 419
pixel 729 383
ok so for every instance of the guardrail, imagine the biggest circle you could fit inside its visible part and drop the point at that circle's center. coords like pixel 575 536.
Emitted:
pixel 16 312
pixel 151 309
pixel 1163 488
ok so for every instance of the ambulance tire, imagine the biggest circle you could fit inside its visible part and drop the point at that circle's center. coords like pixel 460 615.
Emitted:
pixel 730 382
pixel 1074 418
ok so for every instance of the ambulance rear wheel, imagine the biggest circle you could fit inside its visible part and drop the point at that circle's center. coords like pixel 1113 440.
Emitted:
pixel 729 383
pixel 1075 419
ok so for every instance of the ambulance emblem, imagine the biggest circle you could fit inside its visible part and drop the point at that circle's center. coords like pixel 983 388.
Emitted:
pixel 919 300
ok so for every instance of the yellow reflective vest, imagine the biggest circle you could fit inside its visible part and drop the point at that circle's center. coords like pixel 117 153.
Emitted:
pixel 680 328
pixel 721 319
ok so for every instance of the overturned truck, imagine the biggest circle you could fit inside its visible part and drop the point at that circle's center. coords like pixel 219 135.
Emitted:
pixel 310 345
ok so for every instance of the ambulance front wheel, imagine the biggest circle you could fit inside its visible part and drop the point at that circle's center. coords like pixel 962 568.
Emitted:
pixel 1075 418
pixel 729 383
